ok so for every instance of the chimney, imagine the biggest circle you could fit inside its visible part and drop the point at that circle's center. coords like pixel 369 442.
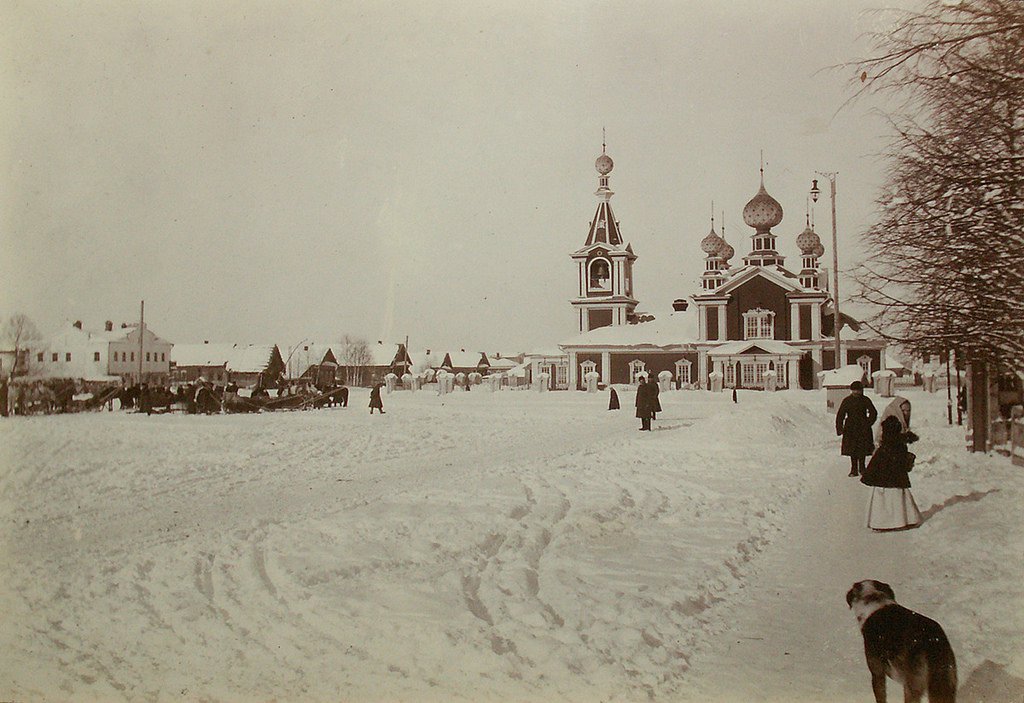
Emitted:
pixel 78 324
pixel 679 304
pixel 108 326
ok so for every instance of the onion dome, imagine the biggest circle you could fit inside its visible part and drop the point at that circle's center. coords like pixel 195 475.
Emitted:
pixel 808 241
pixel 604 164
pixel 818 250
pixel 726 252
pixel 712 243
pixel 763 211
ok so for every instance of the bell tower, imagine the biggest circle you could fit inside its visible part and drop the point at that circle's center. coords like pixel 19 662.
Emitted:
pixel 605 263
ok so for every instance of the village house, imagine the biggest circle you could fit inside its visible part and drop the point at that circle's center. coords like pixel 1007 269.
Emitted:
pixel 246 365
pixel 122 354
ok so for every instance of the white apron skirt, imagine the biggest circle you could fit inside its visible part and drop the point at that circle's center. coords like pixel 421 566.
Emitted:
pixel 892 509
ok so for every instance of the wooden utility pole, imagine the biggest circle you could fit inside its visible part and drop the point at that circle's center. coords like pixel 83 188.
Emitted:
pixel 142 327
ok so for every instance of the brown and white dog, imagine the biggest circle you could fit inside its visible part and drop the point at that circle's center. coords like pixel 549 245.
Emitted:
pixel 906 646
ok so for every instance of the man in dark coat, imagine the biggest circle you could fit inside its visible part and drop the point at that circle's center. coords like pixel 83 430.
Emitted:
pixel 644 404
pixel 853 422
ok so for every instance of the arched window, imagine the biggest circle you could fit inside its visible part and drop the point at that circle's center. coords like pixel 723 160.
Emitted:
pixel 600 275
pixel 759 324
pixel 636 368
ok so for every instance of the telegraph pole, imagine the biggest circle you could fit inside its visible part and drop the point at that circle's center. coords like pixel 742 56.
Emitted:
pixel 142 326
pixel 831 176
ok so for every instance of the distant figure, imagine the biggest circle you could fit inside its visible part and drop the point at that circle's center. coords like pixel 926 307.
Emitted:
pixel 375 401
pixel 613 400
pixel 655 391
pixel 644 404
pixel 735 399
pixel 853 423
pixel 892 506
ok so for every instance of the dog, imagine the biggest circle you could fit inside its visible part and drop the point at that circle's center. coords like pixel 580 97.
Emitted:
pixel 902 644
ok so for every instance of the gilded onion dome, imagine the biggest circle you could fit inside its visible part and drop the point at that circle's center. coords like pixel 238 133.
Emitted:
pixel 808 241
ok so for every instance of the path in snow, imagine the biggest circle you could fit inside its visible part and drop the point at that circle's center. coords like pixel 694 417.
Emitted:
pixel 791 636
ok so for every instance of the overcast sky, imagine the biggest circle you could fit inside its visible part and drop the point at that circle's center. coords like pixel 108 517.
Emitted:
pixel 268 171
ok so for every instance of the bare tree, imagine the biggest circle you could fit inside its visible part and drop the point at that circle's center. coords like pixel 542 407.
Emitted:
pixel 355 357
pixel 17 330
pixel 947 268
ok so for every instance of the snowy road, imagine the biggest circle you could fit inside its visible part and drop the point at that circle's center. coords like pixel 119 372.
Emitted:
pixel 516 546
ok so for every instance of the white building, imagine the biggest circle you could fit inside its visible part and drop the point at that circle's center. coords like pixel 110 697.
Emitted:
pixel 101 355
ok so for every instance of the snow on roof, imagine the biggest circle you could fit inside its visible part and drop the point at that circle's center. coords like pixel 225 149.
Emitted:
pixel 772 346
pixel 549 351
pixel 843 376
pixel 242 358
pixel 382 354
pixel 502 364
pixel 465 359
pixel 666 330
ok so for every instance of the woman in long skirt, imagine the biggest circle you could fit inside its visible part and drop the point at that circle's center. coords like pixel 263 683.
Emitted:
pixel 891 505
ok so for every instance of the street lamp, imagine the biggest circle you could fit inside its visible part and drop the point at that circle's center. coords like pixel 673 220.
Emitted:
pixel 815 192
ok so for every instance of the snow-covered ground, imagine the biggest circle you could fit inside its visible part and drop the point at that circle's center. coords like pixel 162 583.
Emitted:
pixel 511 546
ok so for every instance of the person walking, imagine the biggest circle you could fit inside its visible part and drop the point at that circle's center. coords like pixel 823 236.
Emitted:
pixel 375 401
pixel 854 419
pixel 891 505
pixel 644 404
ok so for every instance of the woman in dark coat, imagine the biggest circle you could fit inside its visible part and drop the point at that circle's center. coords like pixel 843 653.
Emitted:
pixel 613 400
pixel 644 404
pixel 375 401
pixel 891 506
pixel 854 419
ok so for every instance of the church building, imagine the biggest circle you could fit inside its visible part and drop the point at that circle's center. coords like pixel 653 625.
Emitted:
pixel 747 323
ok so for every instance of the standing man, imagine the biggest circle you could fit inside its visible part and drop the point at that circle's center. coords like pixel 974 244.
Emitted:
pixel 853 423
pixel 644 404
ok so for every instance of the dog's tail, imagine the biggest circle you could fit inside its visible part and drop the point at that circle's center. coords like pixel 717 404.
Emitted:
pixel 941 674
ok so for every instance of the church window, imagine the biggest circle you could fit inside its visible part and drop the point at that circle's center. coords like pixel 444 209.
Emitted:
pixel 67 356
pixel 759 324
pixel 636 368
pixel 586 367
pixel 39 356
pixel 865 363
pixel 730 375
pixel 95 356
pixel 600 275
pixel 683 371
pixel 753 373
pixel 561 376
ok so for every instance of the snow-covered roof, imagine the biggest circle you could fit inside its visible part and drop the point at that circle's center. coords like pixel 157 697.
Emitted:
pixel 502 364
pixel 544 352
pixel 771 346
pixel 241 358
pixel 842 377
pixel 465 359
pixel 665 330
pixel 383 353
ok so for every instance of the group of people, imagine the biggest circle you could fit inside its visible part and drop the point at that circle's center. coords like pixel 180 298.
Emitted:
pixel 891 505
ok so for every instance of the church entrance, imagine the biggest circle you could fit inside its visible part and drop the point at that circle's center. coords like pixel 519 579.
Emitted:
pixel 807 372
